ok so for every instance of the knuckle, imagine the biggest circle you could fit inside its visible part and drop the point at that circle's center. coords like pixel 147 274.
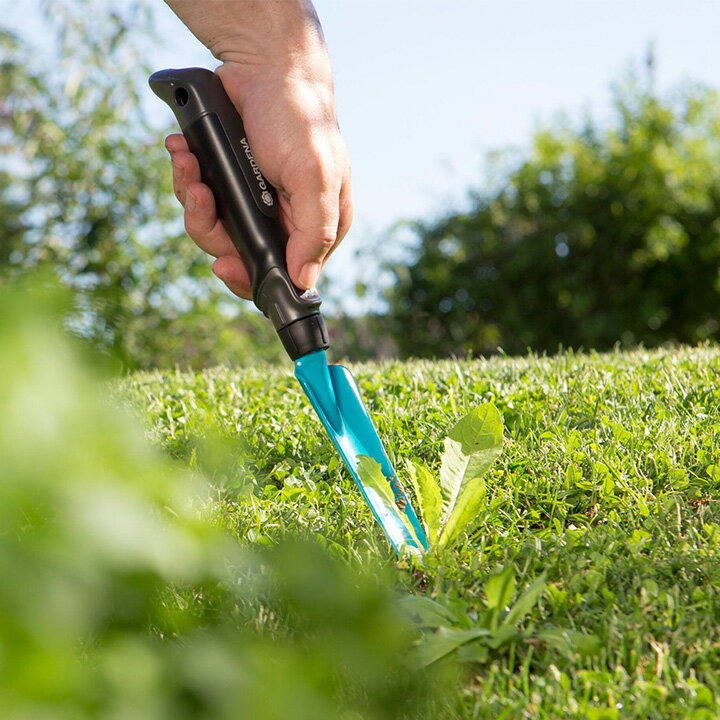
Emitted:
pixel 322 171
pixel 326 237
pixel 325 177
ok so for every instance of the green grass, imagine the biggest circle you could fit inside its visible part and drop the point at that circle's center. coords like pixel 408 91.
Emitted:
pixel 608 483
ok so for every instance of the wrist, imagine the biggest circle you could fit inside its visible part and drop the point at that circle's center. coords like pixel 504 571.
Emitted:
pixel 285 34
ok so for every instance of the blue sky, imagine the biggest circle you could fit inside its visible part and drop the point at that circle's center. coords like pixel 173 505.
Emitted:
pixel 426 88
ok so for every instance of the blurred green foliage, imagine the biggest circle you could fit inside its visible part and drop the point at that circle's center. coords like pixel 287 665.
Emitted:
pixel 85 189
pixel 123 597
pixel 603 234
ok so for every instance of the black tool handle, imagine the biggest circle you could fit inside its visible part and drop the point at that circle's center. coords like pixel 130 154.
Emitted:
pixel 246 203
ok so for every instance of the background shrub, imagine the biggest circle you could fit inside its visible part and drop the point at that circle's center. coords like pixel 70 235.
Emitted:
pixel 603 234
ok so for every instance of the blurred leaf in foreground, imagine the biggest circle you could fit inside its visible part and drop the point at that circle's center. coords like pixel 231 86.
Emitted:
pixel 121 597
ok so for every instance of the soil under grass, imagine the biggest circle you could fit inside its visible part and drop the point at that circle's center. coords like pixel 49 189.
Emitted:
pixel 608 483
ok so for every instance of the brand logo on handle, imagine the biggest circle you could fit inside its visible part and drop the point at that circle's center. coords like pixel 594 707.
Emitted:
pixel 266 195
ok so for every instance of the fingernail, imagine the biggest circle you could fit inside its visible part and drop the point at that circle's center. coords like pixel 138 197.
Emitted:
pixel 190 201
pixel 309 274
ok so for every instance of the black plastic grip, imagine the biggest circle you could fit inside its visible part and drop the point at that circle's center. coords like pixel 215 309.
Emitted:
pixel 246 203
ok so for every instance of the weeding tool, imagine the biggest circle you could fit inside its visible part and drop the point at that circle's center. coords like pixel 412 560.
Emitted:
pixel 248 208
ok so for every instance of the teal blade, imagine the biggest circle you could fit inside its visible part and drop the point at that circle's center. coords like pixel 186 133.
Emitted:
pixel 333 393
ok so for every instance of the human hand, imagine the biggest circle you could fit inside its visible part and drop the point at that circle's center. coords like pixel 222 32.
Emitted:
pixel 288 111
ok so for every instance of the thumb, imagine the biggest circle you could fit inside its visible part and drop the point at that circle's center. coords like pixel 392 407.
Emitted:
pixel 314 217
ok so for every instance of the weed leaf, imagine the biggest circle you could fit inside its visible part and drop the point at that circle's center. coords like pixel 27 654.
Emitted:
pixel 499 589
pixel 426 612
pixel 442 642
pixel 371 474
pixel 466 510
pixel 428 496
pixel 471 447
pixel 527 601
pixel 571 642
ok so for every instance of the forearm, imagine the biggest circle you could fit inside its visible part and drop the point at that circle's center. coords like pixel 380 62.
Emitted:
pixel 282 33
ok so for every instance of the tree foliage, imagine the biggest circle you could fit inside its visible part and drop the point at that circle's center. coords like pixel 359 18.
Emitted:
pixel 603 234
pixel 85 188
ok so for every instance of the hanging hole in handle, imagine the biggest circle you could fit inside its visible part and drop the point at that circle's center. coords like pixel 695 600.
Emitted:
pixel 181 97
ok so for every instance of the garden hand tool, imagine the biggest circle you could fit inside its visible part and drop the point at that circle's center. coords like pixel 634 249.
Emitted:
pixel 248 208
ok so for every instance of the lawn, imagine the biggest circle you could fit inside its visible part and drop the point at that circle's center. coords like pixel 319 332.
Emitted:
pixel 604 503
